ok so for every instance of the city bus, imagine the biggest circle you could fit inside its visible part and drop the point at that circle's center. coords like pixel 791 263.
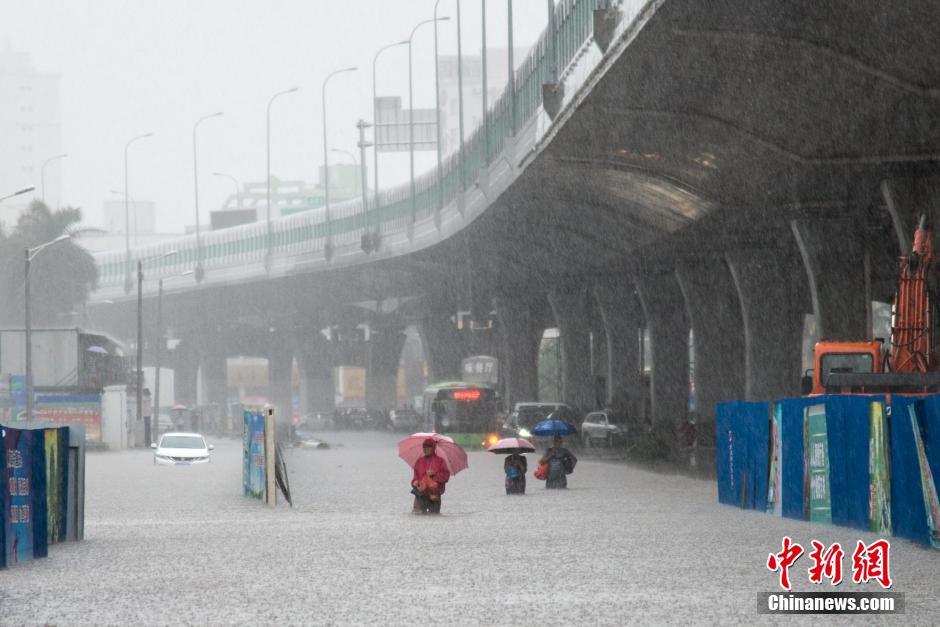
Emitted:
pixel 463 411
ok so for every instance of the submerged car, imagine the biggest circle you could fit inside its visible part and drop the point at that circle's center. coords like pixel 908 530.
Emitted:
pixel 181 449
pixel 525 416
pixel 603 428
pixel 405 419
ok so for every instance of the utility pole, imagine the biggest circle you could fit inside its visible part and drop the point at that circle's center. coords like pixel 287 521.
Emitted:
pixel 367 246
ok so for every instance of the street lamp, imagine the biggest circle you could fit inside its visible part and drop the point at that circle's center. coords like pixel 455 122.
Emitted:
pixel 155 422
pixel 347 153
pixel 326 164
pixel 140 330
pixel 437 110
pixel 238 187
pixel 25 190
pixel 270 102
pixel 375 119
pixel 200 271
pixel 411 108
pixel 29 255
pixel 460 100
pixel 127 230
pixel 42 175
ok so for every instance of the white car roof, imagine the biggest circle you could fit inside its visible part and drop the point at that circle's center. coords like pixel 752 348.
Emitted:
pixel 198 435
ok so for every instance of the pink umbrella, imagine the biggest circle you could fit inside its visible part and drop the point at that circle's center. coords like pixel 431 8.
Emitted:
pixel 412 448
pixel 508 446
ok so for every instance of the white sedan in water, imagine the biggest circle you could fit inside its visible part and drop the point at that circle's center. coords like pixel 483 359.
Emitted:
pixel 181 448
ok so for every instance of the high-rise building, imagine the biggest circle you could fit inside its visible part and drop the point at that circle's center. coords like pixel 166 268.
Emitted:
pixel 30 125
pixel 497 75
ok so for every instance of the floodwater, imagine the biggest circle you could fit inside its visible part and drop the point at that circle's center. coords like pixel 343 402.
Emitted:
pixel 621 545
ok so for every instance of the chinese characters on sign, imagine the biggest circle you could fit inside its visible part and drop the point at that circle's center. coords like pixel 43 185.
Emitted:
pixel 480 369
pixel 869 562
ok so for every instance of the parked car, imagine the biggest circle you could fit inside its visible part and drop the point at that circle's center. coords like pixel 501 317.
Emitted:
pixel 319 421
pixel 526 415
pixel 181 449
pixel 352 418
pixel 601 428
pixel 405 420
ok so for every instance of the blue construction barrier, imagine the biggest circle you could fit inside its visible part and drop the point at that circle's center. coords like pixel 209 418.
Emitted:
pixel 848 427
pixel 741 454
pixel 745 450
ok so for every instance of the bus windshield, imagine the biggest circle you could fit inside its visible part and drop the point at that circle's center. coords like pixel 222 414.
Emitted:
pixel 461 409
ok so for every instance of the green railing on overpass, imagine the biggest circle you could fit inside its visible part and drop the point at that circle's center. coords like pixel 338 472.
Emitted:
pixel 308 232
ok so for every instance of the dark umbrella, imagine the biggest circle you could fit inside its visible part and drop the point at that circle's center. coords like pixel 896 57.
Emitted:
pixel 554 427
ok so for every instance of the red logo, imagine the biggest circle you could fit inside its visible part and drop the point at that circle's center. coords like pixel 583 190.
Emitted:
pixel 783 560
pixel 826 564
pixel 871 562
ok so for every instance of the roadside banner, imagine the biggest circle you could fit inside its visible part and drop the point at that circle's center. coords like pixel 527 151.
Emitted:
pixel 879 478
pixel 56 441
pixel 928 488
pixel 253 455
pixel 23 487
pixel 71 409
pixel 776 450
pixel 818 502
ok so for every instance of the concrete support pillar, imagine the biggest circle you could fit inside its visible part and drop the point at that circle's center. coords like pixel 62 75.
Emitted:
pixel 623 318
pixel 664 311
pixel 185 373
pixel 520 335
pixel 711 304
pixel 906 198
pixel 317 390
pixel 442 344
pixel 571 309
pixel 385 344
pixel 215 383
pixel 838 272
pixel 771 294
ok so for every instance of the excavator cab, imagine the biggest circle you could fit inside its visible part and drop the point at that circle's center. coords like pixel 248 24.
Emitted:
pixel 912 363
pixel 837 364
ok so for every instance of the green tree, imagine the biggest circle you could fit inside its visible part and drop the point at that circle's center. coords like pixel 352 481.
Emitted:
pixel 60 278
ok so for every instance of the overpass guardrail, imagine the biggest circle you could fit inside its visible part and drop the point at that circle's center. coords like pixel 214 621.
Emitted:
pixel 313 233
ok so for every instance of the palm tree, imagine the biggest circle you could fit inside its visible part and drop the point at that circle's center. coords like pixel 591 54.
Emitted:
pixel 61 278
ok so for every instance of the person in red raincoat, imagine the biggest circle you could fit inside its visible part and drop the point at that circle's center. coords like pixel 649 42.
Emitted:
pixel 429 479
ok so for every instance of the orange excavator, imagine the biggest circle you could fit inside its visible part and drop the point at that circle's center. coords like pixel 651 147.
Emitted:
pixel 912 363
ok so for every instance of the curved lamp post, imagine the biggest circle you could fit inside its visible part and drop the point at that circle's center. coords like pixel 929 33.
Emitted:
pixel 375 119
pixel 29 255
pixel 238 187
pixel 270 102
pixel 326 163
pixel 411 108
pixel 42 175
pixel 25 190
pixel 127 230
pixel 200 271
pixel 140 329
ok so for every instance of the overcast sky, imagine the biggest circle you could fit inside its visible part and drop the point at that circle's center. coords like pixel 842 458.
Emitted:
pixel 136 66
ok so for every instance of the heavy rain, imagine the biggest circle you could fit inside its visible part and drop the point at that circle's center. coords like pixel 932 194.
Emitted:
pixel 468 311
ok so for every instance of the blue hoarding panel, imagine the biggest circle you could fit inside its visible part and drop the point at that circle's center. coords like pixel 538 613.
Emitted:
pixel 908 515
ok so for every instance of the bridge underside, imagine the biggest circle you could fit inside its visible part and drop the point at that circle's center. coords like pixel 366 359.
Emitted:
pixel 768 157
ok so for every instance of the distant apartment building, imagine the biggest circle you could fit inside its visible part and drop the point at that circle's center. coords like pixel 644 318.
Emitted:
pixel 31 128
pixel 138 217
pixel 497 76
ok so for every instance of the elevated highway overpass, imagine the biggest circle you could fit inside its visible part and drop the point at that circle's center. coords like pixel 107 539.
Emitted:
pixel 724 167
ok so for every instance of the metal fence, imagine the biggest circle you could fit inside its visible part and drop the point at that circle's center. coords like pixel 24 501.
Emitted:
pixel 309 232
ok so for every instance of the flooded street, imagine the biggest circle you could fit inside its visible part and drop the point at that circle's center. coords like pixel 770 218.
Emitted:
pixel 180 544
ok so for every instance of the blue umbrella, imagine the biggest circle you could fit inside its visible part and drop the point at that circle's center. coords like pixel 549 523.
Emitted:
pixel 553 427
